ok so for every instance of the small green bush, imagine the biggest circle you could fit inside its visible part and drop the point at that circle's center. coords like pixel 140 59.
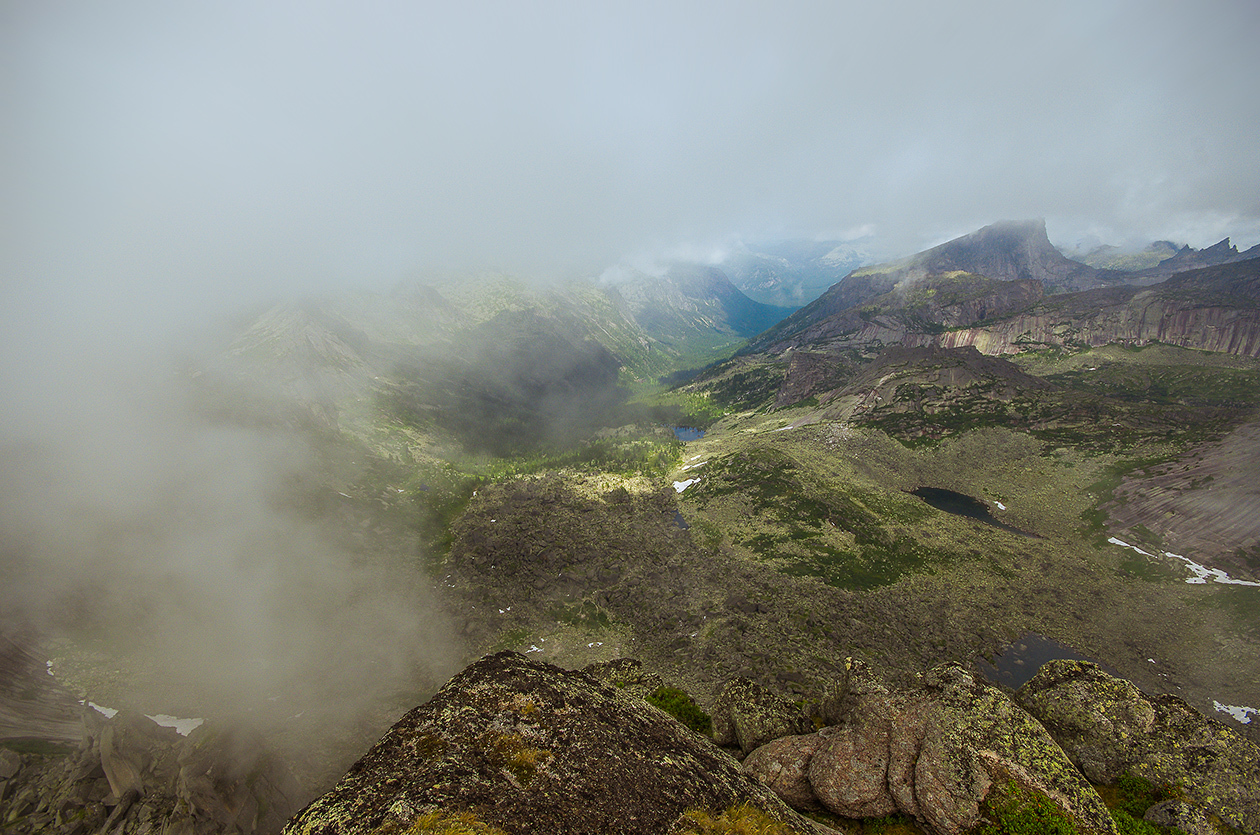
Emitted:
pixel 1018 811
pixel 678 704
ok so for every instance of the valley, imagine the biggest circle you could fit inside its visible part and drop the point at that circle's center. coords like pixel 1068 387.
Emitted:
pixel 489 466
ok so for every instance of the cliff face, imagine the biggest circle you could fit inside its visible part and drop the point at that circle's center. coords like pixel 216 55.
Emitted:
pixel 1006 289
pixel 1213 309
pixel 1144 318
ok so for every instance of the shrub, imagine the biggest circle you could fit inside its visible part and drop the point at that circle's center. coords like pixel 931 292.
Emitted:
pixel 681 706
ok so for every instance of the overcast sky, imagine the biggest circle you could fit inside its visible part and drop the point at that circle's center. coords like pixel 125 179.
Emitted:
pixel 177 155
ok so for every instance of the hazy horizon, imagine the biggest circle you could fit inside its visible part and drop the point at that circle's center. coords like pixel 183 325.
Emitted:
pixel 163 160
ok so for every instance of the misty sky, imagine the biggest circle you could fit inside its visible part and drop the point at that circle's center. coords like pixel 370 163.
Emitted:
pixel 163 157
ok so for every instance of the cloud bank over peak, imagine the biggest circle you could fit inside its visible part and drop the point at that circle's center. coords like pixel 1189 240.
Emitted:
pixel 174 156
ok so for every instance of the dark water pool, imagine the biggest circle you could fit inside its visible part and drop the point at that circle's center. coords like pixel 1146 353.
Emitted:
pixel 1019 662
pixel 961 504
pixel 687 433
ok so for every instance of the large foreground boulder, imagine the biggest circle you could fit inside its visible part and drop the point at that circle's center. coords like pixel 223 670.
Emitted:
pixel 519 746
pixel 1109 727
pixel 935 753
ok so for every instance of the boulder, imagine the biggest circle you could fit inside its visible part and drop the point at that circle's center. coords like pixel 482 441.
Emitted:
pixel 748 715
pixel 849 772
pixel 975 736
pixel 1109 727
pixel 783 765
pixel 934 753
pixel 1177 814
pixel 526 747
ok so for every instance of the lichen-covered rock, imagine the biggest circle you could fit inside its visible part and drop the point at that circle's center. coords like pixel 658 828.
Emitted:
pixel 783 765
pixel 1109 727
pixel 935 753
pixel 849 773
pixel 1177 814
pixel 748 715
pixel 834 702
pixel 975 736
pixel 530 748
pixel 626 674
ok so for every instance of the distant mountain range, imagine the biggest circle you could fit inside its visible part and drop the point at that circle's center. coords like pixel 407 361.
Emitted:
pixel 1005 288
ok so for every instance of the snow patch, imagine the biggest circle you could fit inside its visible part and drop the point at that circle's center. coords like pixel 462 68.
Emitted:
pixel 999 505
pixel 1201 572
pixel 1240 712
pixel 693 466
pixel 183 727
pixel 680 486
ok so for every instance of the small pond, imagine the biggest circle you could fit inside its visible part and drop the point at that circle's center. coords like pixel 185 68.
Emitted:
pixel 960 504
pixel 687 433
pixel 1019 662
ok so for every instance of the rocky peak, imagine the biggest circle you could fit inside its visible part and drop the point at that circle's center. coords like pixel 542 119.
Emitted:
pixel 520 746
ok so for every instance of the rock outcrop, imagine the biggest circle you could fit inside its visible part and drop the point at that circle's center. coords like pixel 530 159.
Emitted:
pixel 1002 300
pixel 1109 727
pixel 526 747
pixel 934 753
pixel 748 716
pixel 132 776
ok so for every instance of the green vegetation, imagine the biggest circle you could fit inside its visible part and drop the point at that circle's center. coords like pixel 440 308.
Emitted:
pixel 837 532
pixel 741 384
pixel 679 704
pixel 511 752
pixel 1015 810
pixel 744 819
pixel 440 822
pixel 585 615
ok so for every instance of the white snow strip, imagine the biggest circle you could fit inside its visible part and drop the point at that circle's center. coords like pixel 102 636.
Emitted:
pixel 109 712
pixel 534 648
pixel 1000 506
pixel 1124 544
pixel 1201 572
pixel 1240 712
pixel 183 727
pixel 680 486
pixel 693 466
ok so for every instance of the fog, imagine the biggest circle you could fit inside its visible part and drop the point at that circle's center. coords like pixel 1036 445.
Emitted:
pixel 168 156
pixel 194 539
pixel 166 165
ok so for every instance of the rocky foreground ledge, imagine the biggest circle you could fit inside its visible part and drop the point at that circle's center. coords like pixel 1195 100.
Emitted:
pixel 511 745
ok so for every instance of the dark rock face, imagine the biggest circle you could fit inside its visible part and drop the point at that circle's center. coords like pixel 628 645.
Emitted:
pixel 528 747
pixel 132 776
pixel 934 753
pixel 1107 726
pixel 989 290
